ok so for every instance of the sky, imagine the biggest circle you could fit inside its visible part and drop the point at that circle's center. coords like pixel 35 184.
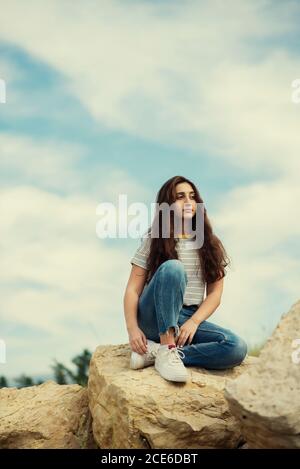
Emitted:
pixel 115 97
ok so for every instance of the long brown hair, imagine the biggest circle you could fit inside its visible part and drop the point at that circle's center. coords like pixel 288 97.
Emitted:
pixel 212 255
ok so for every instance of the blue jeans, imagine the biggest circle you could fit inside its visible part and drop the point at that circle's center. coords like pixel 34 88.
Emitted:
pixel 160 307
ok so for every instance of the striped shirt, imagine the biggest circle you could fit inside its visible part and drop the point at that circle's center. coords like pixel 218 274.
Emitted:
pixel 195 288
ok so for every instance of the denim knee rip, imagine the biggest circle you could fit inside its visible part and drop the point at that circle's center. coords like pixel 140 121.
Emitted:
pixel 176 331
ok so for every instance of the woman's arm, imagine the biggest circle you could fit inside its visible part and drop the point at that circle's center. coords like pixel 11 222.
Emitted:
pixel 133 290
pixel 209 305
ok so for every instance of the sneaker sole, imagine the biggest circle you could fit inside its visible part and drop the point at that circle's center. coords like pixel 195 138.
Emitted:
pixel 177 379
pixel 135 361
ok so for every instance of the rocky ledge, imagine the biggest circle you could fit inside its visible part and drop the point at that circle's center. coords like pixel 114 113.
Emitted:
pixel 266 399
pixel 48 415
pixel 139 409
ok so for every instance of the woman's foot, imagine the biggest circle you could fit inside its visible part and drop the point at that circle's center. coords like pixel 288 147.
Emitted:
pixel 169 365
pixel 138 361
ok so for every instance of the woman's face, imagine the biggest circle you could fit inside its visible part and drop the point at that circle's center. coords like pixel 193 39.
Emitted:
pixel 185 200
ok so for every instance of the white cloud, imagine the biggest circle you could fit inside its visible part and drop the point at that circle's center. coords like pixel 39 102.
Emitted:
pixel 60 166
pixel 194 75
pixel 251 117
pixel 260 227
pixel 59 277
pixel 46 164
pixel 262 214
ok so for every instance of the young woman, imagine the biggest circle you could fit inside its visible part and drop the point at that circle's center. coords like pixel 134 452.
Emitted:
pixel 165 309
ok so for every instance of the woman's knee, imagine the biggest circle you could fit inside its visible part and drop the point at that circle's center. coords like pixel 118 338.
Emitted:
pixel 174 268
pixel 238 349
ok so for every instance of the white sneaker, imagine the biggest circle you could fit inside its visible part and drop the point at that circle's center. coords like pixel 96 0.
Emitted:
pixel 169 364
pixel 138 361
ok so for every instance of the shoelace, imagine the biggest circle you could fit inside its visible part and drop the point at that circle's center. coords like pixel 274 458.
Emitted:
pixel 152 354
pixel 175 355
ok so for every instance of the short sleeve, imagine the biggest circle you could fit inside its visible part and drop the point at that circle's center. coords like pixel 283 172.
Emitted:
pixel 140 257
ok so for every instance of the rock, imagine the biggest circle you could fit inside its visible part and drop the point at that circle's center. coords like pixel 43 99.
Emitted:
pixel 266 399
pixel 139 409
pixel 48 415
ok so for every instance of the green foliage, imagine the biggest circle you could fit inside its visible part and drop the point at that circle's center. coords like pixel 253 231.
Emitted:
pixel 24 381
pixel 3 382
pixel 64 375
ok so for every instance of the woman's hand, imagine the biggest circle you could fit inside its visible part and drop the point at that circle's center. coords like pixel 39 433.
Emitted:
pixel 137 340
pixel 187 332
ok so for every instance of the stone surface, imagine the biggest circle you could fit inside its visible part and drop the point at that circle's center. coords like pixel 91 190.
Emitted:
pixel 139 409
pixel 48 415
pixel 266 399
